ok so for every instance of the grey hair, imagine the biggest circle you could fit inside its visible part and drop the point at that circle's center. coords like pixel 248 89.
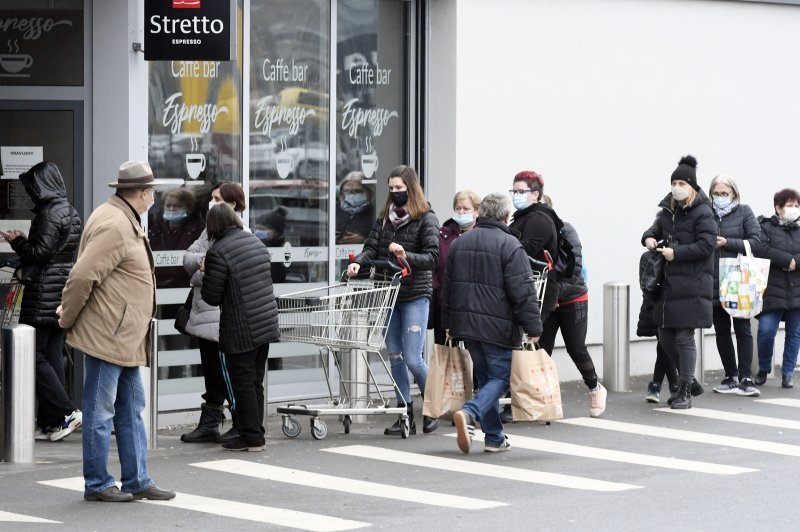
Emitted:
pixel 725 179
pixel 495 206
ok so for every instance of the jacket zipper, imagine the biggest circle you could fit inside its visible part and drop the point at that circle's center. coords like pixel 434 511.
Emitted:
pixel 666 267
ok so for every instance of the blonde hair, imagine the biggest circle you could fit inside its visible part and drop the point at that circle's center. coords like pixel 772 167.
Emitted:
pixel 688 201
pixel 473 198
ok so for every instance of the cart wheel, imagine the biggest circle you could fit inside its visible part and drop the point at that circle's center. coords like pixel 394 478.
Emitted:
pixel 405 426
pixel 347 421
pixel 290 428
pixel 318 429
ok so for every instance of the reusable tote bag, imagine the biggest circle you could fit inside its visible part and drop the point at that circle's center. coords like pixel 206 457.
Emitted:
pixel 742 282
pixel 449 383
pixel 535 389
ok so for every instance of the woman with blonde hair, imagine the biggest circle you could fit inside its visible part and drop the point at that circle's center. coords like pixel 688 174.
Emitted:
pixel 407 228
pixel 684 232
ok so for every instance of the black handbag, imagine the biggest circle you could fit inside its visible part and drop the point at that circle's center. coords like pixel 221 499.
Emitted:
pixel 182 316
pixel 652 275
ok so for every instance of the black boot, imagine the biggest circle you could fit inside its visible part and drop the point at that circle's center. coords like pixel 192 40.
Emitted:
pixel 232 432
pixel 429 424
pixel 394 430
pixel 207 430
pixel 683 398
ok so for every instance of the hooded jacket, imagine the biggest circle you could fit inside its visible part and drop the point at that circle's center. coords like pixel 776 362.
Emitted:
pixel 537 228
pixel 51 244
pixel 780 243
pixel 685 298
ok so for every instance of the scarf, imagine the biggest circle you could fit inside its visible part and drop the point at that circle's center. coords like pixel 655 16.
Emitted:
pixel 726 211
pixel 398 216
pixel 352 210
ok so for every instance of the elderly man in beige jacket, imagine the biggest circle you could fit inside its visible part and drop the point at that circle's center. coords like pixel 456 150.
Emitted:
pixel 106 307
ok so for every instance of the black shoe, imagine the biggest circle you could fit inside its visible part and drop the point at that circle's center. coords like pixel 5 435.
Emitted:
pixel 761 377
pixel 787 381
pixel 505 415
pixel 429 424
pixel 154 493
pixel 394 430
pixel 696 388
pixel 232 433
pixel 238 444
pixel 683 399
pixel 207 430
pixel 112 494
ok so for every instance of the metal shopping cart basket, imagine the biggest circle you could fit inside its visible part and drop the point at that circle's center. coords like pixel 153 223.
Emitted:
pixel 10 294
pixel 348 319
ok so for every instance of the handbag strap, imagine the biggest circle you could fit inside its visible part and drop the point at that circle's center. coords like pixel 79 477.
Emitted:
pixel 748 252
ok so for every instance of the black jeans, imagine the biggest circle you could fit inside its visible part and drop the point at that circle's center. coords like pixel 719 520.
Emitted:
pixel 681 350
pixel 244 374
pixel 573 321
pixel 216 392
pixel 664 367
pixel 53 403
pixel 744 343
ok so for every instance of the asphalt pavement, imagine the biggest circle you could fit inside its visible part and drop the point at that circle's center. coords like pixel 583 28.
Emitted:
pixel 729 462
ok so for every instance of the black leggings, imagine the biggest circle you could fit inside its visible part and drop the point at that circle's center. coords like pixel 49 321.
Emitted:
pixel 573 320
pixel 216 391
pixel 664 367
pixel 681 350
pixel 744 343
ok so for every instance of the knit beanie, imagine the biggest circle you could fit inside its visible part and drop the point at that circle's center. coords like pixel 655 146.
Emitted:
pixel 686 171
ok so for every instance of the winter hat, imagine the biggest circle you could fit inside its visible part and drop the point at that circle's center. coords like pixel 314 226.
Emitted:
pixel 275 219
pixel 686 171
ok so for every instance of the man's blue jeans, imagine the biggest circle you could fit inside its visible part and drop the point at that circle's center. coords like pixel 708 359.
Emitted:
pixel 115 394
pixel 492 366
pixel 767 329
pixel 405 339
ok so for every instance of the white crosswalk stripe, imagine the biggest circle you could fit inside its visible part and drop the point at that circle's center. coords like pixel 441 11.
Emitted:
pixel 478 468
pixel 686 435
pixel 736 417
pixel 238 510
pixel 8 517
pixel 795 403
pixel 560 447
pixel 350 486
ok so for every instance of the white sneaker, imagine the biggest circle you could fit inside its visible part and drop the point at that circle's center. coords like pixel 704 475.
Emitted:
pixel 71 422
pixel 598 397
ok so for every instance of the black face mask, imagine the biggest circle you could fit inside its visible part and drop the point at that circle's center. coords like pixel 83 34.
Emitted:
pixel 399 198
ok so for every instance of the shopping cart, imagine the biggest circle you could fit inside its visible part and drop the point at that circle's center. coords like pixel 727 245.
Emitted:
pixel 10 295
pixel 348 319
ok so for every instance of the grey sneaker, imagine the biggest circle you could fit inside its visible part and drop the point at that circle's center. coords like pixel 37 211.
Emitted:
pixel 728 385
pixel 44 434
pixel 747 388
pixel 499 448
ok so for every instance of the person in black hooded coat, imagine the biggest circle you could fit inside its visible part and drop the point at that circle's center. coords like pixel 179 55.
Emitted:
pixel 685 232
pixel 48 251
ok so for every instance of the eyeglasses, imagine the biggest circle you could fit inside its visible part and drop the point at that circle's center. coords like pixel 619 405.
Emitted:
pixel 525 191
pixel 720 194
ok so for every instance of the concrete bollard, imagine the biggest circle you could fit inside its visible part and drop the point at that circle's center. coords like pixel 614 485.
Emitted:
pixel 18 398
pixel 616 336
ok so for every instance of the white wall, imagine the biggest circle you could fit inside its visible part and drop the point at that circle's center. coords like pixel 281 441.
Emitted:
pixel 602 97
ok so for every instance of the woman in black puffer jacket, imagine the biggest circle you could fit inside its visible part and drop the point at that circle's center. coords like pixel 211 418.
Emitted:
pixel 406 228
pixel 780 242
pixel 685 233
pixel 736 224
pixel 49 253
pixel 238 280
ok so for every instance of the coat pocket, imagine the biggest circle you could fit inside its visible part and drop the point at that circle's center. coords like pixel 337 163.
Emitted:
pixel 121 320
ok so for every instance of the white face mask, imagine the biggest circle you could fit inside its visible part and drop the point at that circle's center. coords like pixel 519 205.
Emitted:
pixel 149 204
pixel 680 193
pixel 791 214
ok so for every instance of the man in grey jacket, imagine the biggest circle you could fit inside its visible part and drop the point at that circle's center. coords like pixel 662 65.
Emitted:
pixel 489 295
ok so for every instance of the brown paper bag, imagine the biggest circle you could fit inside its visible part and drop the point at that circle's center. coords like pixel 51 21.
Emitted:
pixel 535 389
pixel 449 383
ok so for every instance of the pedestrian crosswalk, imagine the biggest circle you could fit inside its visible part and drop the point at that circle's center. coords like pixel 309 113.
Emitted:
pixel 363 466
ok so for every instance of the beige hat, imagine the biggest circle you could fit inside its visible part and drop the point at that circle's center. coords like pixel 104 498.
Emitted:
pixel 136 174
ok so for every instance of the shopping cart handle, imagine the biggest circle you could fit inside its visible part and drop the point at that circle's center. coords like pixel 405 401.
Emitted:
pixel 8 263
pixel 539 264
pixel 549 259
pixel 403 267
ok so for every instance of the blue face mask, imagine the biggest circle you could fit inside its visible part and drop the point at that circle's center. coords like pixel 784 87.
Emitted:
pixel 722 202
pixel 520 201
pixel 355 199
pixel 262 234
pixel 464 220
pixel 174 216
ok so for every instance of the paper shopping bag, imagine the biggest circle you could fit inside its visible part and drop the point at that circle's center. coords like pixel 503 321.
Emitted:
pixel 535 389
pixel 742 282
pixel 449 383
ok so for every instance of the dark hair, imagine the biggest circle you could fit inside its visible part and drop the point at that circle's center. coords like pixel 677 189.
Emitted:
pixel 231 193
pixel 782 197
pixel 219 219
pixel 533 179
pixel 417 204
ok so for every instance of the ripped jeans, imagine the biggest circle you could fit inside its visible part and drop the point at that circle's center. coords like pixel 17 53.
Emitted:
pixel 405 340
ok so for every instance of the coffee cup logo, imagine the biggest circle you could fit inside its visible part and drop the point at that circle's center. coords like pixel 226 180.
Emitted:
pixel 284 163
pixel 14 63
pixel 287 254
pixel 369 164
pixel 195 164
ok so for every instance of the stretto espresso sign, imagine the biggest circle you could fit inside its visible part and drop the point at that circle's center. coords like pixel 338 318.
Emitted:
pixel 193 30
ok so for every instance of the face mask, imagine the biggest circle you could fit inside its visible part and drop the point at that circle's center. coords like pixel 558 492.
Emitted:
pixel 263 234
pixel 791 214
pixel 174 216
pixel 399 198
pixel 211 204
pixel 149 204
pixel 355 199
pixel 721 202
pixel 680 193
pixel 520 201
pixel 464 220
